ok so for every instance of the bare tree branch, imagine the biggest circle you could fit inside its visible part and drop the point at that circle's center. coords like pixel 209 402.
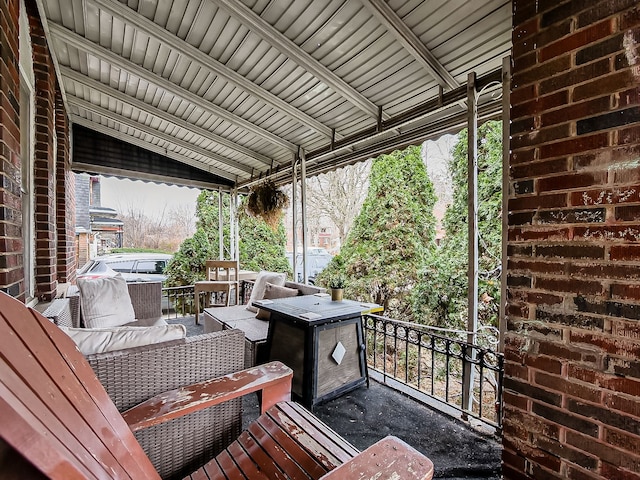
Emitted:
pixel 334 199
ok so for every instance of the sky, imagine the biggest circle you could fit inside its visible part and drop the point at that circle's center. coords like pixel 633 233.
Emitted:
pixel 152 198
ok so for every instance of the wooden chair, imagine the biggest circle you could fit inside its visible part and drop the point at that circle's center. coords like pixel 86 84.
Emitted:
pixel 58 422
pixel 223 276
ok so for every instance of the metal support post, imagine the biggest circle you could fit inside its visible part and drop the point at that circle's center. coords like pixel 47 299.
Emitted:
pixel 506 130
pixel 294 210
pixel 234 227
pixel 303 195
pixel 472 179
pixel 220 227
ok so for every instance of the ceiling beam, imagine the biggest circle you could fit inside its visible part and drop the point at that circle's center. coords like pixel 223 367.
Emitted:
pixel 98 127
pixel 420 127
pixel 384 145
pixel 288 48
pixel 209 155
pixel 394 24
pixel 108 56
pixel 98 86
pixel 130 16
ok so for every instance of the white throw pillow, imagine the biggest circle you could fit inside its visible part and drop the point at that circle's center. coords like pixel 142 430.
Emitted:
pixel 105 302
pixel 100 340
pixel 260 285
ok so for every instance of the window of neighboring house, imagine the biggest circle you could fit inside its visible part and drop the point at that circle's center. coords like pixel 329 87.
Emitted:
pixel 26 150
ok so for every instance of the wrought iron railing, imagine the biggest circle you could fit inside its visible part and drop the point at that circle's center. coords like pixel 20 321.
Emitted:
pixel 177 301
pixel 429 363
pixel 411 355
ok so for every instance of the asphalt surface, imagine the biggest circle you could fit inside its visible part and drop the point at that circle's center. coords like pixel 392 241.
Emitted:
pixel 366 415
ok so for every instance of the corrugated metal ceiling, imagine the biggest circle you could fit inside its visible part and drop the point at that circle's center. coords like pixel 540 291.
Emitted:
pixel 236 88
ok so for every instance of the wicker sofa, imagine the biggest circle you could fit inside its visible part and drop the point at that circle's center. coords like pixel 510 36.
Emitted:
pixel 146 299
pixel 255 330
pixel 133 375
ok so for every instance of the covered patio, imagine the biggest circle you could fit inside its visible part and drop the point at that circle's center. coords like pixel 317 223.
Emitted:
pixel 458 449
pixel 224 95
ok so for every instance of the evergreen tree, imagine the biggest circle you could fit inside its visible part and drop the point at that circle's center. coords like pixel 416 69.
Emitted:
pixel 260 247
pixel 392 235
pixel 441 297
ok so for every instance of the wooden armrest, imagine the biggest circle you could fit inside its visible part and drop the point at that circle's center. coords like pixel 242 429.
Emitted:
pixel 274 379
pixel 390 458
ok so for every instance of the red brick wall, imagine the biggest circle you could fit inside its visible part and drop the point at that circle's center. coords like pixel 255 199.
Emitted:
pixel 53 183
pixel 572 399
pixel 65 200
pixel 11 247
pixel 44 160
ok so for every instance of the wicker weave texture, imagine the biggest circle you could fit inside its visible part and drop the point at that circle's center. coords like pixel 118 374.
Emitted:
pixel 146 298
pixel 131 376
pixel 59 312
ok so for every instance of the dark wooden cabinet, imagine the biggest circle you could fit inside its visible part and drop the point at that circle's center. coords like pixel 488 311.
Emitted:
pixel 322 341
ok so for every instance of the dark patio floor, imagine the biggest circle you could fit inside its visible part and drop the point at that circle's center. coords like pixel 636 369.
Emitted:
pixel 365 415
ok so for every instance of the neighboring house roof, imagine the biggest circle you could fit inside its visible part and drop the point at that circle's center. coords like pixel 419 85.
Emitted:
pixel 104 211
pixel 106 222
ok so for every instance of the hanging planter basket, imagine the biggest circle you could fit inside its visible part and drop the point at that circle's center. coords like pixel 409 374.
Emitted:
pixel 267 202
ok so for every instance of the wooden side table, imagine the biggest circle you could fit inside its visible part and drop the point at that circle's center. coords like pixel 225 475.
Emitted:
pixel 321 341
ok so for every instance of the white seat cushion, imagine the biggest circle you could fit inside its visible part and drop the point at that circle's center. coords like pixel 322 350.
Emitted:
pixel 99 340
pixel 105 302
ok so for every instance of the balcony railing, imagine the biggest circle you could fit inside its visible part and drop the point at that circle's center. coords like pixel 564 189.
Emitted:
pixel 177 301
pixel 413 359
pixel 421 362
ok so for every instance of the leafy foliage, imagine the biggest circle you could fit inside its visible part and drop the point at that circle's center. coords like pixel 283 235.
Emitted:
pixel 441 296
pixel 187 265
pixel 261 248
pixel 338 280
pixel 391 236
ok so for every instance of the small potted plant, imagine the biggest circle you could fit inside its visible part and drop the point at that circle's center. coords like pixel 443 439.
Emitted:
pixel 337 283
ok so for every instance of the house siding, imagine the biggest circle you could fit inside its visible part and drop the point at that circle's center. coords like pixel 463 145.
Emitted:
pixel 572 398
pixel 82 200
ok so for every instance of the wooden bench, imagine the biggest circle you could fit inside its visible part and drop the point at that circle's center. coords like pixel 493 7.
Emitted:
pixel 59 419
